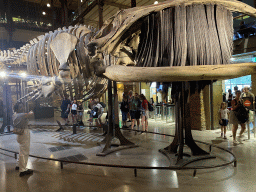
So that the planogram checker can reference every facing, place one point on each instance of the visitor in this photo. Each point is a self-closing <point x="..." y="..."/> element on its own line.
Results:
<point x="20" y="122"/>
<point x="224" y="116"/>
<point x="144" y="113"/>
<point x="91" y="106"/>
<point x="229" y="97"/>
<point x="80" y="114"/>
<point x="247" y="95"/>
<point x="65" y="109"/>
<point x="236" y="103"/>
<point x="135" y="107"/>
<point x="129" y="98"/>
<point x="124" y="109"/>
<point x="74" y="112"/>
<point x="97" y="113"/>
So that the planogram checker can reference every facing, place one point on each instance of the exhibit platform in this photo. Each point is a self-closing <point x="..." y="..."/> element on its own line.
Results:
<point x="83" y="147"/>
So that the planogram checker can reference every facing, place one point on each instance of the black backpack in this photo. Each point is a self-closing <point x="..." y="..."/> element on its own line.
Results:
<point x="150" y="107"/>
<point x="242" y="114"/>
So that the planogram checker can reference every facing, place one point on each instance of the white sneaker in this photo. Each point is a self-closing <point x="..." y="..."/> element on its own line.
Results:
<point x="239" y="139"/>
<point x="235" y="142"/>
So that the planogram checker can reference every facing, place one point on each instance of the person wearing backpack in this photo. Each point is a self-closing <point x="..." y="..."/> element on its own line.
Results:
<point x="97" y="113"/>
<point x="237" y="116"/>
<point x="135" y="107"/>
<point x="124" y="109"/>
<point x="144" y="113"/>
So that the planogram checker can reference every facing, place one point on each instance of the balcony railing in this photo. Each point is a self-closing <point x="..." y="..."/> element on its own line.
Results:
<point x="244" y="31"/>
<point x="27" y="24"/>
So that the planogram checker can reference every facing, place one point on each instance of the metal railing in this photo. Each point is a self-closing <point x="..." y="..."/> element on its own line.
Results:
<point x="245" y="30"/>
<point x="229" y="161"/>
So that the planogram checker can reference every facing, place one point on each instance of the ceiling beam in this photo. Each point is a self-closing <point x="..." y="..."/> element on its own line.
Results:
<point x="119" y="5"/>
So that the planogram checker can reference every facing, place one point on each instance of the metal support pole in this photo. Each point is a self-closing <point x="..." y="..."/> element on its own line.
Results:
<point x="181" y="118"/>
<point x="194" y="173"/>
<point x="248" y="126"/>
<point x="135" y="172"/>
<point x="110" y="108"/>
<point x="211" y="105"/>
<point x="61" y="165"/>
<point x="15" y="155"/>
<point x="74" y="128"/>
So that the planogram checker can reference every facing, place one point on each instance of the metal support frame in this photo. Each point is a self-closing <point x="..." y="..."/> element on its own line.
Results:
<point x="7" y="107"/>
<point x="113" y="124"/>
<point x="176" y="147"/>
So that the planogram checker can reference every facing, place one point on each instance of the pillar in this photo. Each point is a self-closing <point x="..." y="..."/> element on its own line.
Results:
<point x="206" y="105"/>
<point x="100" y="8"/>
<point x="64" y="6"/>
<point x="253" y="80"/>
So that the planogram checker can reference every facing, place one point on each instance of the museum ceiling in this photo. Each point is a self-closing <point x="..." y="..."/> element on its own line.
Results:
<point x="91" y="18"/>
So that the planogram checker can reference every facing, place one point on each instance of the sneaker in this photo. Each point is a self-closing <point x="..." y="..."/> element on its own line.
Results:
<point x="235" y="142"/>
<point x="239" y="139"/>
<point x="17" y="168"/>
<point x="224" y="137"/>
<point x="28" y="172"/>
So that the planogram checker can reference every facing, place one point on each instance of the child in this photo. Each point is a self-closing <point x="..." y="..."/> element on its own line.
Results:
<point x="224" y="116"/>
<point x="74" y="112"/>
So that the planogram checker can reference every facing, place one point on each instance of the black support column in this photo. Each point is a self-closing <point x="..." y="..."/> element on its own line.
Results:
<point x="100" y="8"/>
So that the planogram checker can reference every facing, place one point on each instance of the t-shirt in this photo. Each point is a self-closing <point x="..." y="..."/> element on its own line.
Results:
<point x="249" y="94"/>
<point x="100" y="108"/>
<point x="64" y="105"/>
<point x="145" y="104"/>
<point x="135" y="104"/>
<point x="224" y="113"/>
<point x="74" y="107"/>
<point x="20" y="121"/>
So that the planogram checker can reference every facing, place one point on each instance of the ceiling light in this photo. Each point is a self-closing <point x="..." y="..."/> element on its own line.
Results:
<point x="156" y="2"/>
<point x="44" y="13"/>
<point x="2" y="74"/>
<point x="23" y="74"/>
<point x="48" y="5"/>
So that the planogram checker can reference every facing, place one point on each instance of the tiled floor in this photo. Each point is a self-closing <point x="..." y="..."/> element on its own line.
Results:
<point x="84" y="146"/>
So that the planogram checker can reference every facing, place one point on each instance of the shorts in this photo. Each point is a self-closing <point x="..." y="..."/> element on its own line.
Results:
<point x="74" y="112"/>
<point x="224" y="122"/>
<point x="135" y="114"/>
<point x="124" y="115"/>
<point x="145" y="113"/>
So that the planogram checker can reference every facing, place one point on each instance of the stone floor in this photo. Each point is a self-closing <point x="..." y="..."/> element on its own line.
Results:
<point x="83" y="147"/>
